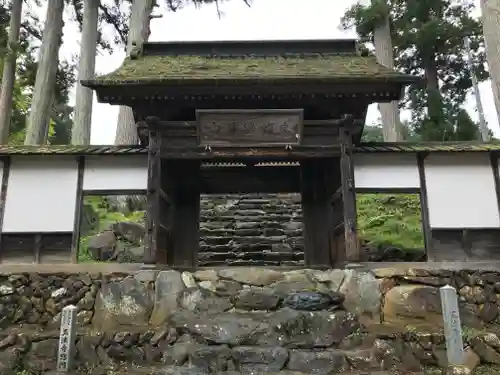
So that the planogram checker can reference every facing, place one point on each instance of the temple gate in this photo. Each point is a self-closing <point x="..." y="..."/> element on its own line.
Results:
<point x="257" y="116"/>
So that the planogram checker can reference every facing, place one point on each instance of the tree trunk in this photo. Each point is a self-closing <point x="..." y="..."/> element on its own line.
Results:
<point x="391" y="125"/>
<point x="80" y="134"/>
<point x="126" y="130"/>
<point x="434" y="102"/>
<point x="385" y="56"/>
<point x="45" y="74"/>
<point x="9" y="71"/>
<point x="491" y="20"/>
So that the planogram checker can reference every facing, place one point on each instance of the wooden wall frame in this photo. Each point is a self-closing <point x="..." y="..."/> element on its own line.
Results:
<point x="75" y="241"/>
<point x="3" y="194"/>
<point x="496" y="176"/>
<point x="424" y="206"/>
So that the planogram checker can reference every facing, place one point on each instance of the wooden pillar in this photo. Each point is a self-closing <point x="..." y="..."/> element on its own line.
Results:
<point x="337" y="225"/>
<point x="164" y="225"/>
<point x="352" y="248"/>
<point x="316" y="211"/>
<point x="424" y="208"/>
<point x="184" y="190"/>
<point x="75" y="240"/>
<point x="3" y="198"/>
<point x="153" y="198"/>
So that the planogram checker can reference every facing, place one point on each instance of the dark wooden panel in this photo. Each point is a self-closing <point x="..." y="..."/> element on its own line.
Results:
<point x="465" y="244"/>
<point x="229" y="180"/>
<point x="316" y="190"/>
<point x="36" y="247"/>
<point x="182" y="182"/>
<point x="55" y="248"/>
<point x="178" y="134"/>
<point x="249" y="127"/>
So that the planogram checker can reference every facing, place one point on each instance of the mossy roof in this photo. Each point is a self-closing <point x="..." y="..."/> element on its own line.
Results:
<point x="188" y="69"/>
<point x="362" y="148"/>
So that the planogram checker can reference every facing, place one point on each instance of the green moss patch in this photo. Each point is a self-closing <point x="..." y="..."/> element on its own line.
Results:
<point x="390" y="220"/>
<point x="151" y="69"/>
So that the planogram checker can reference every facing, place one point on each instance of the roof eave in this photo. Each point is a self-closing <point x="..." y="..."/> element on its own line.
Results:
<point x="110" y="84"/>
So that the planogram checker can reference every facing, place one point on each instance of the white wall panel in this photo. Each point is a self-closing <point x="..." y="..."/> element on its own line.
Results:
<point x="116" y="172"/>
<point x="461" y="191"/>
<point x="41" y="194"/>
<point x="383" y="171"/>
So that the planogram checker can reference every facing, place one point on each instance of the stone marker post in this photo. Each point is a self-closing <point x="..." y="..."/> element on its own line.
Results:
<point x="66" y="352"/>
<point x="452" y="326"/>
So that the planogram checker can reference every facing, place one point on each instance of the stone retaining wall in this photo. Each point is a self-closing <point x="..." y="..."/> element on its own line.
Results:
<point x="248" y="320"/>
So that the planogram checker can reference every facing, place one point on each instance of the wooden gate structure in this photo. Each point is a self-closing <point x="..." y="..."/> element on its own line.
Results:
<point x="252" y="116"/>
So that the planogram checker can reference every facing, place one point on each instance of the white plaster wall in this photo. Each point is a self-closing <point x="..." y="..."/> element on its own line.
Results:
<point x="116" y="172"/>
<point x="41" y="194"/>
<point x="384" y="171"/>
<point x="461" y="191"/>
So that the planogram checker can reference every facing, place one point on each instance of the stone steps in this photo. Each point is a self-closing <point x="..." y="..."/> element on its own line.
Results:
<point x="223" y="217"/>
<point x="253" y="232"/>
<point x="251" y="229"/>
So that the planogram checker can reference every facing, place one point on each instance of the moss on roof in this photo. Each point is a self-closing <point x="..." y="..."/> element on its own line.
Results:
<point x="71" y="150"/>
<point x="172" y="69"/>
<point x="378" y="147"/>
<point x="427" y="147"/>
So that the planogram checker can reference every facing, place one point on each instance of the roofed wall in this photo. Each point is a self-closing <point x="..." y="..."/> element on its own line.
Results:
<point x="41" y="191"/>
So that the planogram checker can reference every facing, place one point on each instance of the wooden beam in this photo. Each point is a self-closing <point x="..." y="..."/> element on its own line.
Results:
<point x="152" y="207"/>
<point x="424" y="206"/>
<point x="245" y="153"/>
<point x="3" y="195"/>
<point x="352" y="247"/>
<point x="75" y="240"/>
<point x="234" y="180"/>
<point x="164" y="196"/>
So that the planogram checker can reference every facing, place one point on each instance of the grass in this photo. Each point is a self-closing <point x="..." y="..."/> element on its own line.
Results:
<point x="390" y="220"/>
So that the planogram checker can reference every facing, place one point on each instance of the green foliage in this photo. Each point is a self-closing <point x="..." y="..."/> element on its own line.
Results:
<point x="390" y="220"/>
<point x="428" y="40"/>
<point x="374" y="133"/>
<point x="97" y="216"/>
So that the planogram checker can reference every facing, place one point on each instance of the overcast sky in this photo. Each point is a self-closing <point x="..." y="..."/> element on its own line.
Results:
<point x="266" y="19"/>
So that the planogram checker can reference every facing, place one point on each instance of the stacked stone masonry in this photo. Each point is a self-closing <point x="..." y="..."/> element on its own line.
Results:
<point x="251" y="229"/>
<point x="247" y="320"/>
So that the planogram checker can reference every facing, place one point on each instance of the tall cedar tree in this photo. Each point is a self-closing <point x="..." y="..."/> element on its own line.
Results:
<point x="428" y="39"/>
<point x="26" y="66"/>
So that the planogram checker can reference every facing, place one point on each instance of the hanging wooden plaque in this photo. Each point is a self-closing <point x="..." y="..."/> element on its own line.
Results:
<point x="249" y="128"/>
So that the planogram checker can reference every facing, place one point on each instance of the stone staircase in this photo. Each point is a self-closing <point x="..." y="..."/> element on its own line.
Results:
<point x="251" y="229"/>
